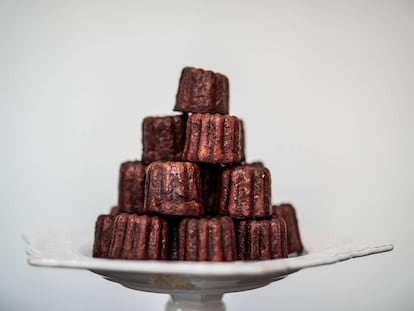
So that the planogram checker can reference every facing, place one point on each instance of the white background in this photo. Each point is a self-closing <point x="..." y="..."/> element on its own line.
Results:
<point x="325" y="90"/>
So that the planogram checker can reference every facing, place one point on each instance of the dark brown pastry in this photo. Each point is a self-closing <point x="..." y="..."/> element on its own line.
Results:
<point x="210" y="176"/>
<point x="103" y="234"/>
<point x="214" y="138"/>
<point x="202" y="91"/>
<point x="139" y="237"/>
<point x="261" y="239"/>
<point x="131" y="187"/>
<point x="245" y="191"/>
<point x="287" y="211"/>
<point x="173" y="189"/>
<point x="163" y="138"/>
<point x="173" y="238"/>
<point x="115" y="210"/>
<point x="207" y="239"/>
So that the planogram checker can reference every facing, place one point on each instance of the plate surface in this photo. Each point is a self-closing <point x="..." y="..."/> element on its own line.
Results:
<point x="73" y="250"/>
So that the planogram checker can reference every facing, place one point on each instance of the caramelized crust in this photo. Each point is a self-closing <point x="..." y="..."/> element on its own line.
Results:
<point x="261" y="239"/>
<point x="207" y="239"/>
<point x="202" y="91"/>
<point x="103" y="234"/>
<point x="173" y="189"/>
<point x="210" y="176"/>
<point x="245" y="192"/>
<point x="173" y="238"/>
<point x="114" y="210"/>
<point x="214" y="138"/>
<point x="287" y="211"/>
<point x="163" y="138"/>
<point x="139" y="237"/>
<point x="131" y="187"/>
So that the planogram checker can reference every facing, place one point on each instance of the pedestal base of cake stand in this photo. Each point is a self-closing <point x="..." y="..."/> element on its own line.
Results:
<point x="195" y="303"/>
<point x="189" y="292"/>
<point x="202" y="291"/>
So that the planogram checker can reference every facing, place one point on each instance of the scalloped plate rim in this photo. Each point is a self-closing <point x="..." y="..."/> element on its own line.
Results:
<point x="68" y="250"/>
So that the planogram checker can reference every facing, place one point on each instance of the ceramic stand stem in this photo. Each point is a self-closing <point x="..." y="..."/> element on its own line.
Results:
<point x="194" y="302"/>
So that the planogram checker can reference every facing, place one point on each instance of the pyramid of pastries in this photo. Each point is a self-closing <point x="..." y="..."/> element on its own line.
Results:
<point x="192" y="195"/>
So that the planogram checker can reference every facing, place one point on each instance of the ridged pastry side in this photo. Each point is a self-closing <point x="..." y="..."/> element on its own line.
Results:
<point x="131" y="187"/>
<point x="207" y="239"/>
<point x="287" y="211"/>
<point x="173" y="189"/>
<point x="163" y="138"/>
<point x="139" y="237"/>
<point x="245" y="192"/>
<point x="261" y="239"/>
<point x="214" y="138"/>
<point x="210" y="176"/>
<point x="103" y="235"/>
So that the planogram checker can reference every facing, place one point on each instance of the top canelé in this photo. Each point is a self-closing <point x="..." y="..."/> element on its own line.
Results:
<point x="202" y="91"/>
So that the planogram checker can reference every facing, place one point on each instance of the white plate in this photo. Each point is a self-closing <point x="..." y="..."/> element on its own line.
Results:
<point x="73" y="250"/>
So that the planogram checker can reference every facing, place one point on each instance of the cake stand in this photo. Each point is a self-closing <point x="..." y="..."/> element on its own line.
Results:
<point x="197" y="286"/>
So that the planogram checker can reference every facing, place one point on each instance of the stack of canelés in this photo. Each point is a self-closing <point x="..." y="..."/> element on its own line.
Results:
<point x="193" y="196"/>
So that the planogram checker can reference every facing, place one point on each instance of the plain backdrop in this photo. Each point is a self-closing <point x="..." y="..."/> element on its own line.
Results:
<point x="325" y="89"/>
